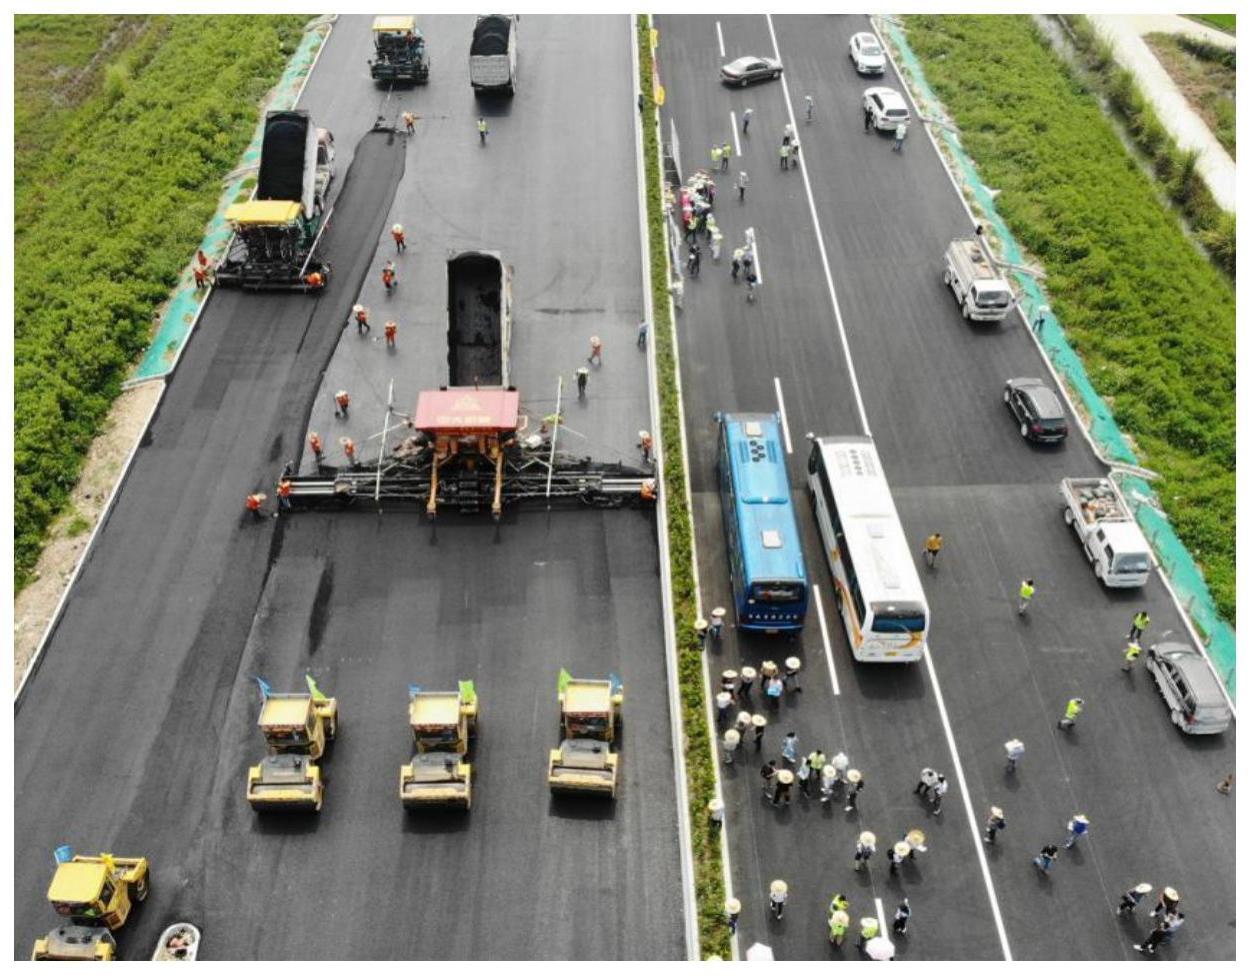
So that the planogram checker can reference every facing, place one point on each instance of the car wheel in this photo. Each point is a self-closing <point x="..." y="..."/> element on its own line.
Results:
<point x="1024" y="430"/>
<point x="964" y="309"/>
<point x="946" y="277"/>
<point x="1068" y="518"/>
<point x="742" y="83"/>
<point x="1006" y="395"/>
<point x="776" y="75"/>
<point x="1099" y="571"/>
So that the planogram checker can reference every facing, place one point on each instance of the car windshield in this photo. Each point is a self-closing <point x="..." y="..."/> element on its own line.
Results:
<point x="1133" y="562"/>
<point x="993" y="298"/>
<point x="871" y="50"/>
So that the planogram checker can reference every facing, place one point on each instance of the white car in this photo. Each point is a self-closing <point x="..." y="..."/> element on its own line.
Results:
<point x="866" y="53"/>
<point x="887" y="107"/>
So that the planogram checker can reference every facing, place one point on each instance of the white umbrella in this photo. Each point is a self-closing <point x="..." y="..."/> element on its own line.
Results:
<point x="879" y="948"/>
<point x="759" y="952"/>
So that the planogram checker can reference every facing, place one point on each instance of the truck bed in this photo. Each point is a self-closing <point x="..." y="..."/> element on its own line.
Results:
<point x="1094" y="500"/>
<point x="475" y="299"/>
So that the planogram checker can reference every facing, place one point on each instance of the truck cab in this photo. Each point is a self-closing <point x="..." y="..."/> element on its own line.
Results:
<point x="983" y="294"/>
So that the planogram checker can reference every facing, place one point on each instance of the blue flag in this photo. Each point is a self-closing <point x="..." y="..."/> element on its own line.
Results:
<point x="615" y="683"/>
<point x="265" y="689"/>
<point x="414" y="690"/>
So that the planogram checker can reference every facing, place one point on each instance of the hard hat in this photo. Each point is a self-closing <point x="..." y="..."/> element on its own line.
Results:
<point x="996" y="812"/>
<point x="748" y="673"/>
<point x="778" y="887"/>
<point x="1143" y="888"/>
<point x="398" y="228"/>
<point x="785" y="776"/>
<point x="853" y="776"/>
<point x="732" y="737"/>
<point x="868" y="838"/>
<point x="642" y="434"/>
<point x="901" y="848"/>
<point x="728" y="675"/>
<point x="724" y="698"/>
<point x="595" y="340"/>
<point x="733" y="905"/>
<point x="1171" y="894"/>
<point x="793" y="663"/>
<point x="758" y="720"/>
<point x="583" y="371"/>
<point x="714" y="804"/>
<point x="1080" y="818"/>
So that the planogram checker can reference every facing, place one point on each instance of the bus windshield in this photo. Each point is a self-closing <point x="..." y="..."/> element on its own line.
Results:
<point x="777" y="592"/>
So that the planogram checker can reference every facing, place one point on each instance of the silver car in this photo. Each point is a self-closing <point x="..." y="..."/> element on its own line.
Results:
<point x="743" y="71"/>
<point x="1189" y="688"/>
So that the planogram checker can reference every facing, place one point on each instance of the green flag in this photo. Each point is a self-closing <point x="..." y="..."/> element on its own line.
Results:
<point x="563" y="680"/>
<point x="313" y="689"/>
<point x="468" y="691"/>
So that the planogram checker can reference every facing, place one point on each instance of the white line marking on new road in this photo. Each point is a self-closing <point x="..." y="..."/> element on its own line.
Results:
<point x="720" y="39"/>
<point x="937" y="688"/>
<point x="733" y="127"/>
<point x="824" y="635"/>
<point x="785" y="424"/>
<point x="753" y="247"/>
<point x="880" y="913"/>
<point x="824" y="256"/>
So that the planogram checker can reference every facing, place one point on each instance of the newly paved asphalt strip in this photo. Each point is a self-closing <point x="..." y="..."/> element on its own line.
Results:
<point x="136" y="733"/>
<point x="932" y="388"/>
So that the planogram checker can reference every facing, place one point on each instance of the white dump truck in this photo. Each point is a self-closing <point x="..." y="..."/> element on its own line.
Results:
<point x="1113" y="543"/>
<point x="492" y="55"/>
<point x="983" y="294"/>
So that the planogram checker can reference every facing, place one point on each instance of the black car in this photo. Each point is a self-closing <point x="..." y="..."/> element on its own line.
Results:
<point x="745" y="70"/>
<point x="1037" y="409"/>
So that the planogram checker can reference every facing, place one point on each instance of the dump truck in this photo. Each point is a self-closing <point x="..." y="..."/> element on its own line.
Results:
<point x="297" y="729"/>
<point x="479" y="319"/>
<point x="399" y="51"/>
<point x="443" y="723"/>
<point x="96" y="894"/>
<point x="276" y="232"/>
<point x="1107" y="531"/>
<point x="982" y="292"/>
<point x="492" y="55"/>
<point x="590" y="721"/>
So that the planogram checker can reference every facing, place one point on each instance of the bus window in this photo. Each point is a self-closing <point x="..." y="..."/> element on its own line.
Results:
<point x="898" y="619"/>
<point x="777" y="592"/>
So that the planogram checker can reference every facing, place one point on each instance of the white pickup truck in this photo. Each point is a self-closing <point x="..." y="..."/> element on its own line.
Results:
<point x="1113" y="543"/>
<point x="983" y="294"/>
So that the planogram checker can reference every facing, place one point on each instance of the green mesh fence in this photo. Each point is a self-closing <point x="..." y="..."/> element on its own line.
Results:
<point x="1184" y="574"/>
<point x="184" y="303"/>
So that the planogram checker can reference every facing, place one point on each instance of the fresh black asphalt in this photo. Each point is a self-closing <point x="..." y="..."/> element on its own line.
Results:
<point x="932" y="386"/>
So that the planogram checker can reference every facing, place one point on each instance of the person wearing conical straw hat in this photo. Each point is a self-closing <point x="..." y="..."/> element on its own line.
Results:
<point x="733" y="910"/>
<point x="828" y="779"/>
<point x="994" y="823"/>
<point x="791" y="676"/>
<point x="778" y="894"/>
<point x="899" y="852"/>
<point x="854" y="784"/>
<point x="746" y="681"/>
<point x="1168" y="899"/>
<point x="785" y="780"/>
<point x="865" y="847"/>
<point x="729" y="745"/>
<point x="758" y="724"/>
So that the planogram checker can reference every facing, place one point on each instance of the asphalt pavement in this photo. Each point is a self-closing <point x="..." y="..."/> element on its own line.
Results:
<point x="931" y="390"/>
<point x="139" y="725"/>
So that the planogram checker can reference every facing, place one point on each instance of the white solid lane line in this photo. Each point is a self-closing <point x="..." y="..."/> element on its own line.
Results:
<point x="933" y="678"/>
<point x="781" y="406"/>
<point x="824" y="636"/>
<point x="720" y="39"/>
<point x="733" y="127"/>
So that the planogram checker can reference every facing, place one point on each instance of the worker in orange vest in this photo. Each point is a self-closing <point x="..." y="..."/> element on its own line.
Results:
<point x="201" y="258"/>
<point x="644" y="445"/>
<point x="349" y="448"/>
<point x="390" y="330"/>
<point x="388" y="276"/>
<point x="397" y="232"/>
<point x="315" y="280"/>
<point x="647" y="490"/>
<point x="254" y="501"/>
<point x="341" y="402"/>
<point x="361" y="314"/>
<point x="201" y="277"/>
<point x="284" y="495"/>
<point x="314" y="441"/>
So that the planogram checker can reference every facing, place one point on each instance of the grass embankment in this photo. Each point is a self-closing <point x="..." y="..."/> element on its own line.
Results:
<point x="1175" y="169"/>
<point x="1152" y="320"/>
<point x="116" y="177"/>
<point x="1207" y="76"/>
<point x="700" y="774"/>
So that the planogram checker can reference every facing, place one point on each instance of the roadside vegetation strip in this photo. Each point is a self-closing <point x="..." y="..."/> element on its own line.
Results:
<point x="1152" y="321"/>
<point x="124" y="194"/>
<point x="1175" y="169"/>
<point x="698" y="746"/>
<point x="1206" y="74"/>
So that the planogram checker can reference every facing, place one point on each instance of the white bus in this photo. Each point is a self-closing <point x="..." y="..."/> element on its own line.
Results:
<point x="879" y="594"/>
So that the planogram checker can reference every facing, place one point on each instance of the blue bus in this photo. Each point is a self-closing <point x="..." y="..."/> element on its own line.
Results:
<point x="765" y="557"/>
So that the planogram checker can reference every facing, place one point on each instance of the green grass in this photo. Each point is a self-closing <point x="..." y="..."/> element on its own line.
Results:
<point x="111" y="198"/>
<point x="1224" y="22"/>
<point x="700" y="772"/>
<point x="1207" y="76"/>
<point x="1153" y="321"/>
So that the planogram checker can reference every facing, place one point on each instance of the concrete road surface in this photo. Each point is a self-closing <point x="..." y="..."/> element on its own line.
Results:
<point x="930" y="392"/>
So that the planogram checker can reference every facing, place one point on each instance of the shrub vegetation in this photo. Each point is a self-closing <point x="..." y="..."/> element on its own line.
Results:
<point x="108" y="211"/>
<point x="1153" y="320"/>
